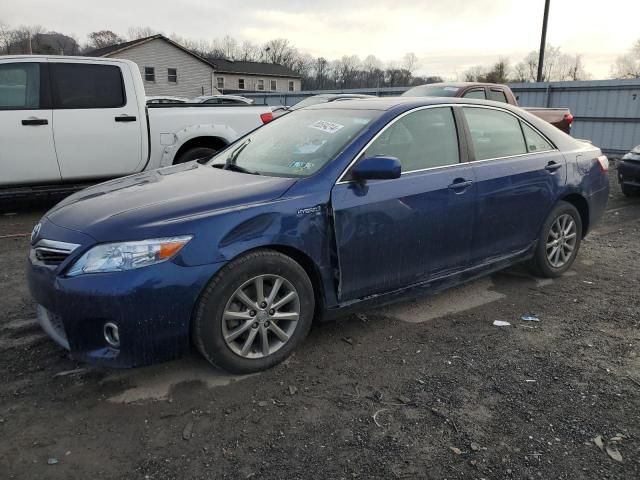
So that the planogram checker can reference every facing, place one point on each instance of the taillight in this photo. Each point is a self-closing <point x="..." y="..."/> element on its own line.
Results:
<point x="568" y="117"/>
<point x="266" y="117"/>
<point x="603" y="161"/>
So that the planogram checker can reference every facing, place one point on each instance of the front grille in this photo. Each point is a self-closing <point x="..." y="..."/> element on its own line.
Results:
<point x="52" y="252"/>
<point x="50" y="256"/>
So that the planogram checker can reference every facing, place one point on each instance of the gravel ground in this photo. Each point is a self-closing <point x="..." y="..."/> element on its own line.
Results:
<point x="424" y="389"/>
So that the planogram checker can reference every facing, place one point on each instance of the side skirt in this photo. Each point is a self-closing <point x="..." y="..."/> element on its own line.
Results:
<point x="429" y="287"/>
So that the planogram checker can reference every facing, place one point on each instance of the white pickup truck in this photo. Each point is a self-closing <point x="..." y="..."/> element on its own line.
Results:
<point x="69" y="121"/>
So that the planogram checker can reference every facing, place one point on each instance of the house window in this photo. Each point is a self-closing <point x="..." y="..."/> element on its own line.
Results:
<point x="241" y="84"/>
<point x="260" y="84"/>
<point x="149" y="74"/>
<point x="291" y="86"/>
<point x="220" y="83"/>
<point x="172" y="75"/>
<point x="274" y="85"/>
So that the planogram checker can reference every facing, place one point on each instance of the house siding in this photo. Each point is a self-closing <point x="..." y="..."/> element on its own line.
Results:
<point x="251" y="82"/>
<point x="194" y="76"/>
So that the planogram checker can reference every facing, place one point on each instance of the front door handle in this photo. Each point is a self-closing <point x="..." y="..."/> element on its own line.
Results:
<point x="35" y="121"/>
<point x="460" y="184"/>
<point x="125" y="118"/>
<point x="552" y="166"/>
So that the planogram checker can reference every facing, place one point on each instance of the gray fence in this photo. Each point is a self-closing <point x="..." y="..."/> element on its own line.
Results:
<point x="607" y="112"/>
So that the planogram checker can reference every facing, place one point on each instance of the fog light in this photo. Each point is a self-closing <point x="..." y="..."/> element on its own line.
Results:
<point x="111" y="334"/>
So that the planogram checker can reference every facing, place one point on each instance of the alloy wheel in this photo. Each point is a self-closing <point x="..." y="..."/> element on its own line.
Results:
<point x="561" y="241"/>
<point x="261" y="316"/>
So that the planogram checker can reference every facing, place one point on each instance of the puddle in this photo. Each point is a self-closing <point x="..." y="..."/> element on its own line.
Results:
<point x="156" y="382"/>
<point x="450" y="301"/>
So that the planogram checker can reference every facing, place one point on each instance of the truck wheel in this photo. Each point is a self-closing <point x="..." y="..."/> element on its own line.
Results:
<point x="559" y="241"/>
<point x="254" y="312"/>
<point x="201" y="154"/>
<point x="629" y="190"/>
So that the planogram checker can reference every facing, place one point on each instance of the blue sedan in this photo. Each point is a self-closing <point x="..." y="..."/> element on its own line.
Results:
<point x="331" y="208"/>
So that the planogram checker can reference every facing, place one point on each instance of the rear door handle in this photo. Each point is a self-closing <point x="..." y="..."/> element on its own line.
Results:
<point x="35" y="121"/>
<point x="125" y="118"/>
<point x="460" y="183"/>
<point x="552" y="166"/>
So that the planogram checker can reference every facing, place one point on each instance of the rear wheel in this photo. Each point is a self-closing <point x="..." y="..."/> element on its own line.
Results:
<point x="254" y="312"/>
<point x="559" y="241"/>
<point x="201" y="154"/>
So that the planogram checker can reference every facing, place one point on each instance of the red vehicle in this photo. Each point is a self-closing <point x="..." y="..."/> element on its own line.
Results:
<point x="558" y="117"/>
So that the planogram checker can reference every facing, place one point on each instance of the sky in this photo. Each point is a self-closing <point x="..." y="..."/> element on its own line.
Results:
<point x="448" y="36"/>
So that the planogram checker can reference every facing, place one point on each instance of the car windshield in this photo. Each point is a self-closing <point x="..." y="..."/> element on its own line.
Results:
<point x="431" y="91"/>
<point x="296" y="145"/>
<point x="307" y="102"/>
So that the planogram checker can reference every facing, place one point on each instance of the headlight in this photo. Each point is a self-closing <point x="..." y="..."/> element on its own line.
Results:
<point x="113" y="257"/>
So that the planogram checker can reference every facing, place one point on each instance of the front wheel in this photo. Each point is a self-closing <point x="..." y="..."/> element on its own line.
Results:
<point x="254" y="312"/>
<point x="201" y="154"/>
<point x="559" y="241"/>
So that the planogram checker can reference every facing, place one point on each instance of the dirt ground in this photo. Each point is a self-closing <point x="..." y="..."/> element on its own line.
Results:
<point x="424" y="389"/>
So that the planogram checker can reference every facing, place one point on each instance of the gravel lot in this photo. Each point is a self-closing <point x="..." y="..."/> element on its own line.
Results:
<point x="424" y="389"/>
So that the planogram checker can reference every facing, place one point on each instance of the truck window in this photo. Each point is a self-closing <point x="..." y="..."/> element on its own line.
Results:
<point x="494" y="133"/>
<point x="76" y="85"/>
<point x="477" y="93"/>
<point x="497" y="96"/>
<point x="19" y="86"/>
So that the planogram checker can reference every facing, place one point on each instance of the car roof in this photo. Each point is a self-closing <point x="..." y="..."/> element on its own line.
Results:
<point x="387" y="103"/>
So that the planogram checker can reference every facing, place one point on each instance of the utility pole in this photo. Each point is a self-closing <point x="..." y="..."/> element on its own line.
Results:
<point x="543" y="39"/>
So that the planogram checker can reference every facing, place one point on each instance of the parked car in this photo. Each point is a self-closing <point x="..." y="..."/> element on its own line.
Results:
<point x="629" y="172"/>
<point x="223" y="100"/>
<point x="333" y="207"/>
<point x="558" y="117"/>
<point x="162" y="99"/>
<point x="67" y="121"/>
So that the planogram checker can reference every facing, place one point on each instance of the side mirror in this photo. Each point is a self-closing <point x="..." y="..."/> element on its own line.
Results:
<point x="377" y="168"/>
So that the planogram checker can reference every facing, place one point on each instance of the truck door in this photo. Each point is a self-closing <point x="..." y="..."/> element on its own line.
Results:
<point x="97" y="129"/>
<point x="27" y="153"/>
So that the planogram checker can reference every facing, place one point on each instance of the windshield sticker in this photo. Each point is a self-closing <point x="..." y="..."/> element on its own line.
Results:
<point x="451" y="89"/>
<point x="327" y="127"/>
<point x="298" y="165"/>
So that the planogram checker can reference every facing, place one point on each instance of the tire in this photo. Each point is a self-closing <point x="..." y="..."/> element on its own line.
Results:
<point x="543" y="262"/>
<point x="202" y="154"/>
<point x="629" y="190"/>
<point x="221" y="314"/>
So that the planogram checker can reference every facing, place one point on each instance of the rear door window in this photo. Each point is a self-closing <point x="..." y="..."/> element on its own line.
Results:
<point x="19" y="86"/>
<point x="477" y="93"/>
<point x="497" y="95"/>
<point x="494" y="133"/>
<point x="424" y="139"/>
<point x="81" y="86"/>
<point x="535" y="141"/>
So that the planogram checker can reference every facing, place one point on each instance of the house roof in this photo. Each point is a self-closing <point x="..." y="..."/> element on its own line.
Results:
<point x="220" y="65"/>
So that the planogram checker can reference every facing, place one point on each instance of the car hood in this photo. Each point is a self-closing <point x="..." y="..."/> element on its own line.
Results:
<point x="121" y="207"/>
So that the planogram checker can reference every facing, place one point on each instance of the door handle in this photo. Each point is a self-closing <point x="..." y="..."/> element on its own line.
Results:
<point x="460" y="183"/>
<point x="125" y="118"/>
<point x="552" y="166"/>
<point x="35" y="121"/>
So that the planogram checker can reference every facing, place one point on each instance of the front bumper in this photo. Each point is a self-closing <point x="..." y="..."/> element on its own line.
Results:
<point x="629" y="172"/>
<point x="152" y="307"/>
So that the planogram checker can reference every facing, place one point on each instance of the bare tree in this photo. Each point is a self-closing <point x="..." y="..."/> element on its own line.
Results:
<point x="228" y="46"/>
<point x="103" y="38"/>
<point x="410" y="62"/>
<point x="628" y="65"/>
<point x="135" y="33"/>
<point x="7" y="38"/>
<point x="249" y="51"/>
<point x="24" y="37"/>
